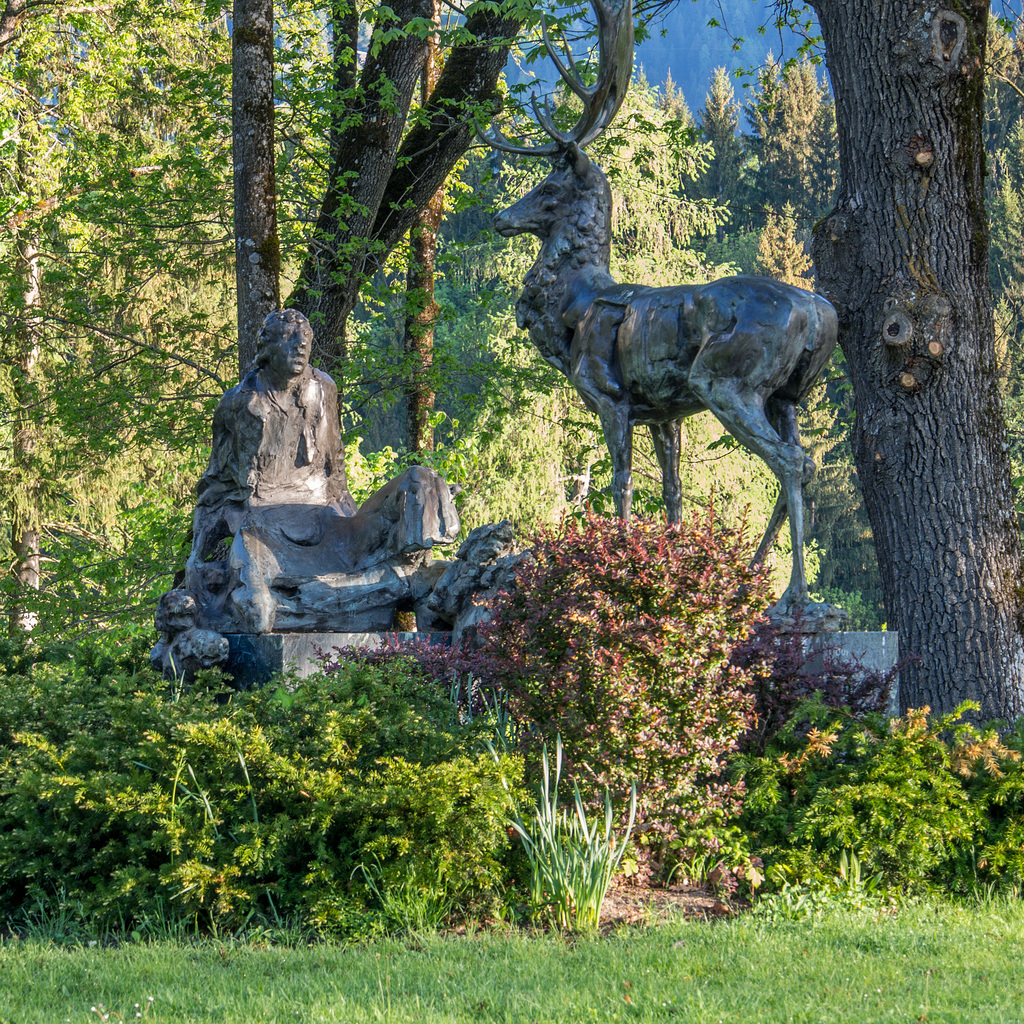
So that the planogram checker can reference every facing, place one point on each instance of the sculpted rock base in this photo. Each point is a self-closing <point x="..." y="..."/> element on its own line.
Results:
<point x="183" y="649"/>
<point x="485" y="566"/>
<point x="813" y="617"/>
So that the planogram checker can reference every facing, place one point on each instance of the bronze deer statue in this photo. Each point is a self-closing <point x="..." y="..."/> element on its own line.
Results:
<point x="746" y="348"/>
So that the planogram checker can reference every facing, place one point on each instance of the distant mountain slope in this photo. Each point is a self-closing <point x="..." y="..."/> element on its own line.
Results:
<point x="684" y="43"/>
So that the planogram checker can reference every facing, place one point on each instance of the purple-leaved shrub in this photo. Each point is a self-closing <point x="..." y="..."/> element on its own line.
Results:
<point x="618" y="638"/>
<point x="788" y="667"/>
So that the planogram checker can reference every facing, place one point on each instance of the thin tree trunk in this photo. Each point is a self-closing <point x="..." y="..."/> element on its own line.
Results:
<point x="257" y="252"/>
<point x="24" y="506"/>
<point x="344" y="25"/>
<point x="904" y="258"/>
<point x="364" y="152"/>
<point x="419" y="327"/>
<point x="421" y="309"/>
<point x="25" y="533"/>
<point x="12" y="17"/>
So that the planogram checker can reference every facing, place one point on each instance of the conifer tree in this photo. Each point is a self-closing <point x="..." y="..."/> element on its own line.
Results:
<point x="673" y="103"/>
<point x="792" y="140"/>
<point x="780" y="254"/>
<point x="718" y="122"/>
<point x="823" y="166"/>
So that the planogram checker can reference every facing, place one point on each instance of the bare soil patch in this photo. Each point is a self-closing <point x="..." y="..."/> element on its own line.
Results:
<point x="638" y="904"/>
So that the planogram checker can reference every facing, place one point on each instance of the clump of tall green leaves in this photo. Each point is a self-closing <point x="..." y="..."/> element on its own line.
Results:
<point x="572" y="858"/>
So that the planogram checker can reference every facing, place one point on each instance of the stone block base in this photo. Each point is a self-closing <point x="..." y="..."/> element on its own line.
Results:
<point x="253" y="659"/>
<point x="873" y="651"/>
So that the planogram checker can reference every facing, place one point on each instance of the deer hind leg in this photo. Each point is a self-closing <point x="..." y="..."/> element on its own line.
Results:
<point x="667" y="441"/>
<point x="741" y="411"/>
<point x="618" y="436"/>
<point x="782" y="416"/>
<point x="771" y="534"/>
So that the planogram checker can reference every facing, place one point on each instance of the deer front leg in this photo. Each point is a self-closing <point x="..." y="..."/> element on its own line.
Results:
<point x="667" y="440"/>
<point x="618" y="436"/>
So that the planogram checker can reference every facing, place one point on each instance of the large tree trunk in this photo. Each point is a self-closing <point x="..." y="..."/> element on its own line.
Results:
<point x="904" y="258"/>
<point x="421" y="308"/>
<point x="380" y="180"/>
<point x="257" y="253"/>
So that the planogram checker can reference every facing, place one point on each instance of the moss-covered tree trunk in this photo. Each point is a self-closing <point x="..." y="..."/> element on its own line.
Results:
<point x="257" y="256"/>
<point x="904" y="258"/>
<point x="12" y="16"/>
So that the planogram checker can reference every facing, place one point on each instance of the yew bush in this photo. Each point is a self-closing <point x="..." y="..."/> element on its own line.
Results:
<point x="120" y="805"/>
<point x="618" y="638"/>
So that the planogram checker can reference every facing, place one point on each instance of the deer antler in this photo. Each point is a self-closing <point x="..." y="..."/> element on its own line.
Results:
<point x="601" y="100"/>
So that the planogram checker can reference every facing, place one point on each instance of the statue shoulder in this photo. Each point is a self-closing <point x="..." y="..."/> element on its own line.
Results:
<point x="325" y="380"/>
<point x="234" y="398"/>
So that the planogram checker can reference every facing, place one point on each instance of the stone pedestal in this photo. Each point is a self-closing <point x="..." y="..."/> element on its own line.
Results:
<point x="872" y="651"/>
<point x="253" y="659"/>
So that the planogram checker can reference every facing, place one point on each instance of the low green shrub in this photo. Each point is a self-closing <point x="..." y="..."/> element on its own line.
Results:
<point x="618" y="637"/>
<point x="119" y="803"/>
<point x="848" y="890"/>
<point x="920" y="801"/>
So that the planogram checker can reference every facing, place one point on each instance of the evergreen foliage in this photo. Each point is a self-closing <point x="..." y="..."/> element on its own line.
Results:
<point x="120" y="800"/>
<point x="923" y="801"/>
<point x="780" y="255"/>
<point x="718" y="123"/>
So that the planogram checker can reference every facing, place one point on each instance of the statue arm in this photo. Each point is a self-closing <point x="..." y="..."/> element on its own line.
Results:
<point x="225" y="477"/>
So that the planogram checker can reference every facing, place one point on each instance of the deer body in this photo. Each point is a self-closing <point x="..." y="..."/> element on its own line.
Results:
<point x="746" y="348"/>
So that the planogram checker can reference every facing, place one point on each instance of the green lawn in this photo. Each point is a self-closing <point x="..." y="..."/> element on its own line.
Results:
<point x="932" y="963"/>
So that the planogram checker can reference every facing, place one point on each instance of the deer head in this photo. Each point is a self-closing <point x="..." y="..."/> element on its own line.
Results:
<point x="570" y="210"/>
<point x="575" y="193"/>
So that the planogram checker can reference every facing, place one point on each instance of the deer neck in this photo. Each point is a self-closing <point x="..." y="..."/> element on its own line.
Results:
<point x="571" y="267"/>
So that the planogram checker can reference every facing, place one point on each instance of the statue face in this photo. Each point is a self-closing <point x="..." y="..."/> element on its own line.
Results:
<point x="287" y="352"/>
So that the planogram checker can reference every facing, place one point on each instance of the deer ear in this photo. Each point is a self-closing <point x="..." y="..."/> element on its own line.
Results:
<point x="579" y="159"/>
